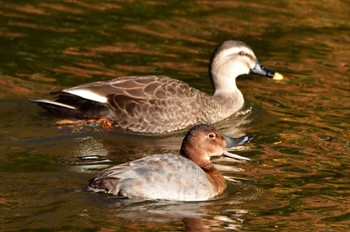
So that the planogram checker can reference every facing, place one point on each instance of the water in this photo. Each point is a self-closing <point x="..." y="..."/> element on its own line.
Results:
<point x="299" y="177"/>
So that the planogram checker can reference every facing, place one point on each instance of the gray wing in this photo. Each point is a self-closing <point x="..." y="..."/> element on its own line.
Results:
<point x="167" y="176"/>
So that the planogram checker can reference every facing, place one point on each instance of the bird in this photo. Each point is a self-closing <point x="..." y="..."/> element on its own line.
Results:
<point x="159" y="104"/>
<point x="189" y="176"/>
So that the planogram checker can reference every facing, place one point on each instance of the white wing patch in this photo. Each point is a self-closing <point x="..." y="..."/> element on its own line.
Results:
<point x="87" y="94"/>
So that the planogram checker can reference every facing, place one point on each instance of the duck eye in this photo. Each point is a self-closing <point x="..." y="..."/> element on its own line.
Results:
<point x="211" y="136"/>
<point x="242" y="53"/>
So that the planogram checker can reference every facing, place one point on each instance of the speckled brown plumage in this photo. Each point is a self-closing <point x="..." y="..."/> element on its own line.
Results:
<point x="158" y="104"/>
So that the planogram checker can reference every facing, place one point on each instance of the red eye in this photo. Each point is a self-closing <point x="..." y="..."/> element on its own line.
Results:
<point x="211" y="136"/>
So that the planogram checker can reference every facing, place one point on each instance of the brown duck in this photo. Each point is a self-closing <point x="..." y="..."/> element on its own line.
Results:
<point x="189" y="176"/>
<point x="157" y="104"/>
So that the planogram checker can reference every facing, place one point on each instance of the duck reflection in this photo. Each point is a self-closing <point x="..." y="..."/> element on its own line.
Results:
<point x="91" y="151"/>
<point x="220" y="214"/>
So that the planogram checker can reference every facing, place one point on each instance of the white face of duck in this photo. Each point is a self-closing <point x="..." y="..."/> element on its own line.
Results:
<point x="228" y="64"/>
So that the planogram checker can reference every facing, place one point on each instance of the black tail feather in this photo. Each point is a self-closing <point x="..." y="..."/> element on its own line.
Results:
<point x="56" y="108"/>
<point x="75" y="107"/>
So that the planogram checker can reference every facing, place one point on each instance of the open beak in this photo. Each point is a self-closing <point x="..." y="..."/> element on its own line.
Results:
<point x="261" y="70"/>
<point x="233" y="142"/>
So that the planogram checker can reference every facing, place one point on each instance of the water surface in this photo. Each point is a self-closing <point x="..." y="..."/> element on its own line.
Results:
<point x="299" y="177"/>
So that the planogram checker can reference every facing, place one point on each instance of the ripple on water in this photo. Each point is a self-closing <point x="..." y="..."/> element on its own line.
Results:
<point x="299" y="175"/>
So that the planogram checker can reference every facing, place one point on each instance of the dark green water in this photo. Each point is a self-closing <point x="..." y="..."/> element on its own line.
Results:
<point x="299" y="177"/>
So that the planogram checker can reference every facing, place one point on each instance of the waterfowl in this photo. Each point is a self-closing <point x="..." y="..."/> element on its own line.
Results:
<point x="159" y="104"/>
<point x="190" y="176"/>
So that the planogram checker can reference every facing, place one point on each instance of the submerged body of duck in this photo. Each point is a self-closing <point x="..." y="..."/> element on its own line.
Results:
<point x="155" y="104"/>
<point x="189" y="176"/>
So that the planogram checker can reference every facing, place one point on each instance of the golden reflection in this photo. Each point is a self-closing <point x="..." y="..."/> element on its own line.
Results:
<point x="13" y="15"/>
<point x="138" y="68"/>
<point x="165" y="30"/>
<point x="186" y="216"/>
<point x="14" y="87"/>
<point x="10" y="34"/>
<point x="76" y="52"/>
<point x="26" y="9"/>
<point x="60" y="7"/>
<point x="84" y="72"/>
<point x="300" y="159"/>
<point x="183" y="66"/>
<point x="130" y="47"/>
<point x="101" y="6"/>
<point x="38" y="77"/>
<point x="39" y="26"/>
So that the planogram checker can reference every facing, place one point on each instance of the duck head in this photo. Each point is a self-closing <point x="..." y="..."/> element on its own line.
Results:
<point x="204" y="141"/>
<point x="232" y="59"/>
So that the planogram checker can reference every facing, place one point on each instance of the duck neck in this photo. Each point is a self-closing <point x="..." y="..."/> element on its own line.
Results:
<point x="191" y="153"/>
<point x="225" y="89"/>
<point x="229" y="96"/>
<point x="215" y="178"/>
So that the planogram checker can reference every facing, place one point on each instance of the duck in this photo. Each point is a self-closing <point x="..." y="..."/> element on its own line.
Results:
<point x="188" y="176"/>
<point x="160" y="104"/>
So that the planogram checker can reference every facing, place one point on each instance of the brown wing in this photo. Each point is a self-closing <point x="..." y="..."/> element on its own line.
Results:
<point x="154" y="104"/>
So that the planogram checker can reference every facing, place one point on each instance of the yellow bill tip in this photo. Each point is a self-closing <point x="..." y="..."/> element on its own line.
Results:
<point x="277" y="76"/>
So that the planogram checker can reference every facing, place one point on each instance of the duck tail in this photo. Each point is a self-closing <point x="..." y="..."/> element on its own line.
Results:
<point x="55" y="107"/>
<point x="107" y="185"/>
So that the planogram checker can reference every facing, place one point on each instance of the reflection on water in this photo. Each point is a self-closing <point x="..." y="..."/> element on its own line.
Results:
<point x="299" y="176"/>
